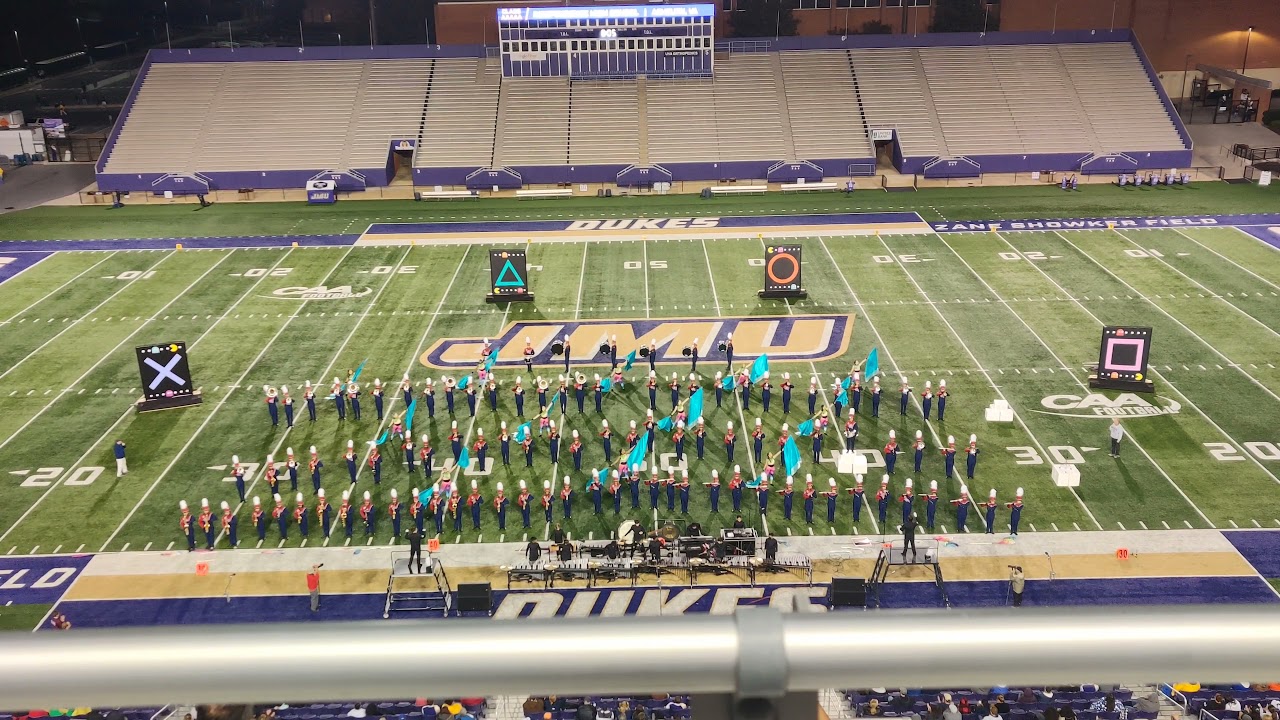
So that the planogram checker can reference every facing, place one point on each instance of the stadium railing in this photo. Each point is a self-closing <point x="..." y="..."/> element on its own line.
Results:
<point x="757" y="663"/>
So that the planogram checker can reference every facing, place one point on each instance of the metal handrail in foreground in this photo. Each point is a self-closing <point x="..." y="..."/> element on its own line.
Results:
<point x="754" y="653"/>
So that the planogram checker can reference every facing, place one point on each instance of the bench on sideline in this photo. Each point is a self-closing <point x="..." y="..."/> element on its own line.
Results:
<point x="738" y="189"/>
<point x="809" y="187"/>
<point x="448" y="195"/>
<point x="544" y="194"/>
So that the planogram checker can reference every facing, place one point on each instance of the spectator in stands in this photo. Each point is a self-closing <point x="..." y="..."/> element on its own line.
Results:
<point x="992" y="714"/>
<point x="1107" y="704"/>
<point x="1232" y="705"/>
<point x="951" y="712"/>
<point x="533" y="706"/>
<point x="1051" y="713"/>
<point x="1001" y="705"/>
<point x="357" y="712"/>
<point x="1148" y="704"/>
<point x="1216" y="704"/>
<point x="873" y="708"/>
<point x="900" y="703"/>
<point x="1027" y="697"/>
<point x="1067" y="713"/>
<point x="586" y="711"/>
<point x="965" y="708"/>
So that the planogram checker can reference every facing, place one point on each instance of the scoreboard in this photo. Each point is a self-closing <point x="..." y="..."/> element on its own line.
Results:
<point x="619" y="41"/>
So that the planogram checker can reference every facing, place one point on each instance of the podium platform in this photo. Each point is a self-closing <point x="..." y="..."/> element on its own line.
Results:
<point x="425" y="591"/>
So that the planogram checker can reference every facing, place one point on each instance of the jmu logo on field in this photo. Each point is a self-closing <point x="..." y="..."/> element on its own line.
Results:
<point x="808" y="338"/>
<point x="1094" y="405"/>
<point x="321" y="292"/>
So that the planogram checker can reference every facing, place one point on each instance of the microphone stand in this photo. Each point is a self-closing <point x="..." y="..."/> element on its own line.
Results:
<point x="1052" y="574"/>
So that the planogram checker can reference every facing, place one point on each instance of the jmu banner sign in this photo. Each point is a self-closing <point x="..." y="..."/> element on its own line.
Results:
<point x="808" y="338"/>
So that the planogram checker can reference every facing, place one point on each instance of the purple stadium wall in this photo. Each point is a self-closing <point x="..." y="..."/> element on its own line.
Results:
<point x="607" y="173"/>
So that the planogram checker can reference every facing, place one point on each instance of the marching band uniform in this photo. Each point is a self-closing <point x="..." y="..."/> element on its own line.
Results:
<point x="406" y="390"/>
<point x="353" y="464"/>
<point x="427" y="454"/>
<point x="206" y="523"/>
<point x="851" y="432"/>
<point x="907" y="498"/>
<point x="527" y="446"/>
<point x="875" y="397"/>
<point x="728" y="352"/>
<point x="613" y="350"/>
<point x="548" y="502"/>
<point x="891" y="451"/>
<point x="1015" y="512"/>
<point x="700" y="436"/>
<point x="346" y="517"/>
<point x="375" y="464"/>
<point x="735" y="488"/>
<point x="757" y="439"/>
<point x="819" y="429"/>
<point x="518" y="392"/>
<point x="500" y="506"/>
<point x="931" y="504"/>
<point x="428" y="394"/>
<point x="677" y="439"/>
<point x="715" y="491"/>
<point x="339" y="400"/>
<point x="416" y="512"/>
<point x="991" y="505"/>
<point x="542" y="395"/>
<point x="598" y="390"/>
<point x="528" y="354"/>
<point x="553" y="443"/>
<point x="730" y="441"/>
<point x="281" y="516"/>
<point x="270" y="475"/>
<point x="407" y="447"/>
<point x="606" y="438"/>
<point x="300" y="515"/>
<point x="949" y="455"/>
<point x="653" y="356"/>
<point x="719" y="384"/>
<point x="309" y="395"/>
<point x="906" y="396"/>
<point x="882" y="500"/>
<point x="523" y="500"/>
<point x="237" y="472"/>
<point x="857" y="492"/>
<point x="393" y="513"/>
<point x="832" y="494"/>
<point x="435" y="508"/>
<point x="597" y="490"/>
<point x="857" y="392"/>
<point x="449" y="386"/>
<point x="693" y="356"/>
<point x="762" y="494"/>
<point x="314" y="465"/>
<point x="563" y="393"/>
<point x="324" y="513"/>
<point x="353" y="399"/>
<point x="675" y="391"/>
<point x="455" y="510"/>
<point x="368" y="513"/>
<point x="926" y="398"/>
<point x="744" y="387"/>
<point x="918" y="446"/>
<point x="580" y="390"/>
<point x="377" y="397"/>
<point x="632" y="436"/>
<point x="272" y="409"/>
<point x="287" y="402"/>
<point x="455" y="442"/>
<point x="652" y="384"/>
<point x="650" y="427"/>
<point x="470" y="392"/>
<point x="633" y="480"/>
<point x="684" y="492"/>
<point x="962" y="508"/>
<point x="786" y="392"/>
<point x="654" y="484"/>
<point x="575" y="449"/>
<point x="813" y="396"/>
<point x="491" y="389"/>
<point x="942" y="399"/>
<point x="480" y="447"/>
<point x="259" y="519"/>
<point x="766" y="391"/>
<point x="567" y="351"/>
<point x="809" y="493"/>
<point x="615" y="489"/>
<point x="971" y="453"/>
<point x="669" y="482"/>
<point x="566" y="499"/>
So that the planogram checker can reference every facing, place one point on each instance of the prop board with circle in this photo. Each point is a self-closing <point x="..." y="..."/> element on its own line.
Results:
<point x="782" y="272"/>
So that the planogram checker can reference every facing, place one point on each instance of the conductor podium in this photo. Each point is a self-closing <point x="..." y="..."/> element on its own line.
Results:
<point x="423" y="590"/>
<point x="904" y="564"/>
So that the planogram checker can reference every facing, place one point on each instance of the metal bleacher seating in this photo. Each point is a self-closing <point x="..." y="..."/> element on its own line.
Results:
<point x="535" y="122"/>
<point x="748" y="124"/>
<point x="165" y="120"/>
<point x="974" y="114"/>
<point x="892" y="91"/>
<point x="822" y="105"/>
<point x="1118" y="98"/>
<point x="1079" y="702"/>
<point x="681" y="115"/>
<point x="1036" y="89"/>
<point x="462" y="112"/>
<point x="389" y="107"/>
<point x="604" y="123"/>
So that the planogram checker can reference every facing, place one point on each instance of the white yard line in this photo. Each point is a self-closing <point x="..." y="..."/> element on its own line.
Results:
<point x="1166" y="380"/>
<point x="130" y="412"/>
<point x="644" y="254"/>
<point x="536" y="492"/>
<point x="1017" y="416"/>
<point x="1078" y="382"/>
<point x="58" y="289"/>
<point x="1166" y="313"/>
<point x="128" y="284"/>
<point x="110" y="352"/>
<point x="1193" y="281"/>
<point x="1224" y="257"/>
<point x="214" y="412"/>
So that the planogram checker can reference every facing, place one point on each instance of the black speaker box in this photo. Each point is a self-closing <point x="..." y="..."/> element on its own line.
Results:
<point x="475" y="597"/>
<point x="847" y="592"/>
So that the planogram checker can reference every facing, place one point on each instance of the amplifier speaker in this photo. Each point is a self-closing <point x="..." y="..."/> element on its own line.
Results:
<point x="475" y="597"/>
<point x="847" y="592"/>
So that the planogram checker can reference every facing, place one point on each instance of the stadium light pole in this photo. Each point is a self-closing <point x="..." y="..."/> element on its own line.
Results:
<point x="1054" y="30"/>
<point x="1186" y="66"/>
<point x="18" y="42"/>
<point x="80" y="33"/>
<point x="167" y="42"/>
<point x="1244" y="64"/>
<point x="1113" y="14"/>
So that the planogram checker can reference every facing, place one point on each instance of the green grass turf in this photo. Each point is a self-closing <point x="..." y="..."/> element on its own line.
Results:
<point x="947" y="306"/>
<point x="22" y="618"/>
<point x="56" y="222"/>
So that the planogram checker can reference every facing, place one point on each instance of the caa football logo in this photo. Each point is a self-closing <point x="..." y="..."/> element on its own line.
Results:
<point x="321" y="292"/>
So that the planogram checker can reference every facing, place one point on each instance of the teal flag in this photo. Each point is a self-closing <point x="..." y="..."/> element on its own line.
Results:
<point x="805" y="428"/>
<point x="846" y="382"/>
<point x="356" y="375"/>
<point x="631" y="360"/>
<point x="606" y="385"/>
<point x="759" y="367"/>
<point x="462" y="384"/>
<point x="791" y="456"/>
<point x="491" y="360"/>
<point x="425" y="496"/>
<point x="872" y="365"/>
<point x="592" y="476"/>
<point x="408" y="416"/>
<point x="554" y="399"/>
<point x="665" y="424"/>
<point x="383" y="439"/>
<point x="843" y="397"/>
<point x="755" y="481"/>
<point x="695" y="406"/>
<point x="464" y="460"/>
<point x="727" y="383"/>
<point x="522" y="431"/>
<point x="639" y="451"/>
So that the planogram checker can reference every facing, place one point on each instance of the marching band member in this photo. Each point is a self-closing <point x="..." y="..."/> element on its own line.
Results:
<point x="542" y="386"/>
<point x="427" y="454"/>
<point x="567" y="352"/>
<point x="618" y="379"/>
<point x="309" y="395"/>
<point x="314" y="465"/>
<point x="300" y="515"/>
<point x="918" y="447"/>
<point x="376" y="392"/>
<point x="281" y="516"/>
<point x="237" y="472"/>
<point x="632" y="436"/>
<point x="470" y="392"/>
<point x="553" y="443"/>
<point x="436" y="507"/>
<point x="455" y="441"/>
<point x="766" y="391"/>
<point x="730" y="440"/>
<point x="523" y="501"/>
<point x="206" y="523"/>
<point x="907" y="498"/>
<point x="757" y="440"/>
<point x="891" y="451"/>
<point x="598" y="389"/>
<point x="353" y="464"/>
<point x="528" y="354"/>
<point x="728" y="352"/>
<point x="832" y="494"/>
<point x="808" y="496"/>
<point x="962" y="508"/>
<point x="715" y="491"/>
<point x="650" y="427"/>
<point x="575" y="449"/>
<point x="931" y="504"/>
<point x="596" y="489"/>
<point x="287" y="402"/>
<point x="669" y="484"/>
<point x="566" y="499"/>
<point x="971" y="452"/>
<point x="990" y="505"/>
<point x="719" y="386"/>
<point x="850" y="432"/>
<point x="675" y="391"/>
<point x="786" y="387"/>
<point x="368" y="514"/>
<point x="324" y="513"/>
<point x="819" y="430"/>
<point x="615" y="489"/>
<point x="187" y="525"/>
<point x="700" y="436"/>
<point x="500" y="506"/>
<point x="653" y="356"/>
<point x="744" y="387"/>
<point x="548" y="501"/>
<point x="762" y="494"/>
<point x="652" y="385"/>
<point x="428" y="394"/>
<point x="346" y="518"/>
<point x="735" y="489"/>
<point x="339" y="398"/>
<point x="270" y="475"/>
<point x="393" y="513"/>
<point x="684" y="491"/>
<point x="353" y="398"/>
<point x="375" y="464"/>
<point x="926" y="398"/>
<point x="407" y="447"/>
<point x="416" y="513"/>
<point x="613" y="350"/>
<point x="677" y="439"/>
<point x="906" y="395"/>
<point x="580" y="390"/>
<point x="481" y="447"/>
<point x="875" y="396"/>
<point x="771" y="464"/>
<point x="857" y="492"/>
<point x="693" y="356"/>
<point x="518" y="392"/>
<point x="455" y="509"/>
<point x="449" y="386"/>
<point x="882" y="500"/>
<point x="406" y="390"/>
<point x="491" y="390"/>
<point x="694" y="384"/>
<point x="504" y="443"/>
<point x="856" y="392"/>
<point x="527" y="446"/>
<point x="291" y="467"/>
<point x="813" y="395"/>
<point x="836" y="390"/>
<point x="259" y="519"/>
<point x="654" y="483"/>
<point x="949" y="455"/>
<point x="942" y="399"/>
<point x="633" y="480"/>
<point x="606" y="439"/>
<point x="1015" y="514"/>
<point x="272" y="408"/>
<point x="563" y="393"/>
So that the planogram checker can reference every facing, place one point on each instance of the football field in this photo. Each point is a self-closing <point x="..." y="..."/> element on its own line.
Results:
<point x="1012" y="315"/>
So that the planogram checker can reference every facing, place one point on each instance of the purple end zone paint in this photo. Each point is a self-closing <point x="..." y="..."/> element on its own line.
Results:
<point x="11" y="265"/>
<point x="35" y="580"/>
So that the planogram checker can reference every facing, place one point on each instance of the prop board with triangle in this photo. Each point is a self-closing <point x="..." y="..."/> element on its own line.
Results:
<point x="509" y="278"/>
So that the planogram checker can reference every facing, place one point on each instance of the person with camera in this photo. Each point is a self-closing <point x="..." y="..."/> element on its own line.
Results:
<point x="313" y="586"/>
<point x="1017" y="582"/>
